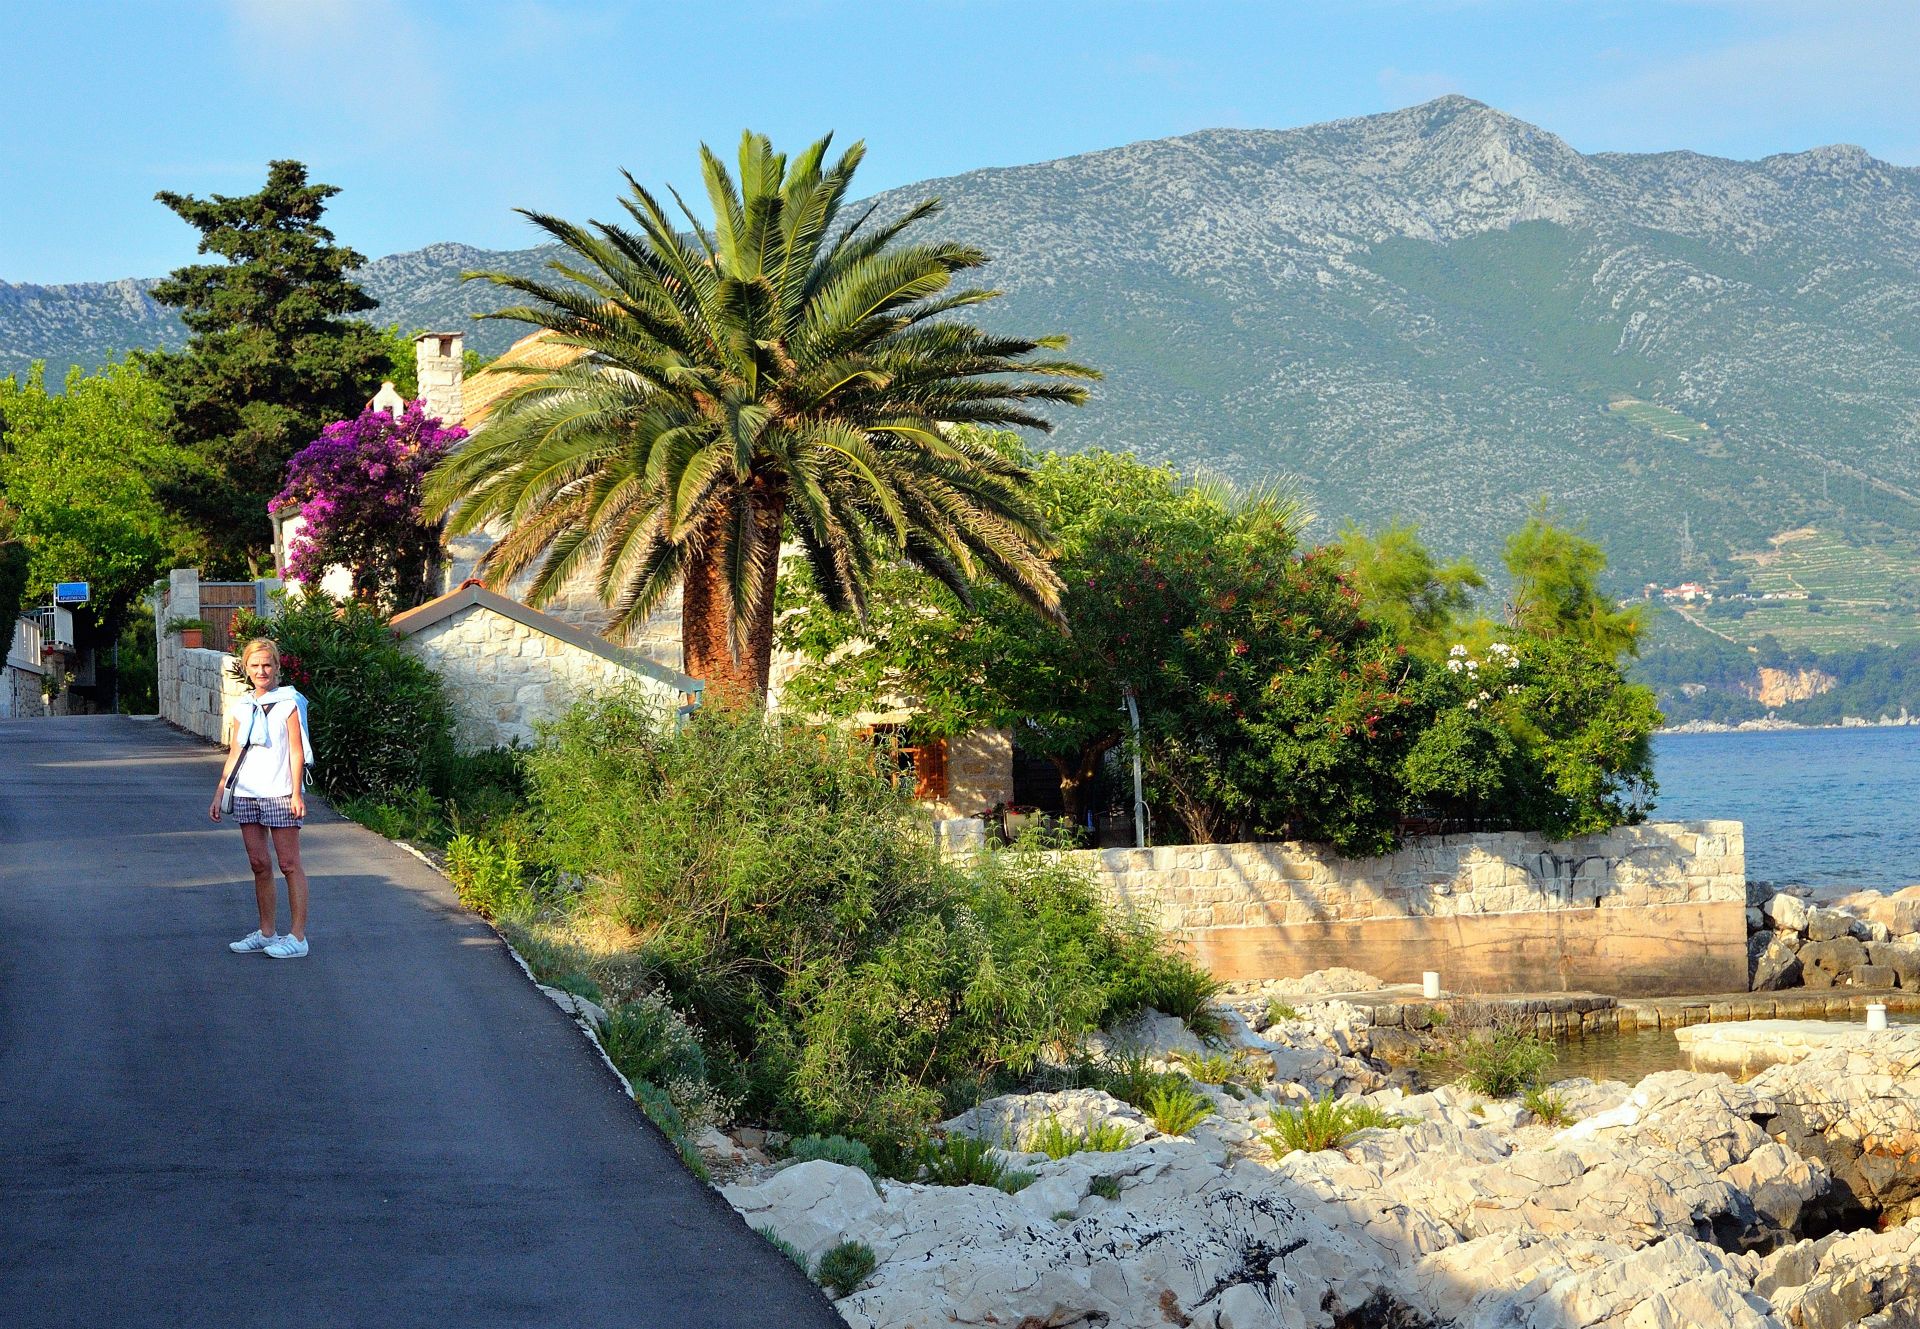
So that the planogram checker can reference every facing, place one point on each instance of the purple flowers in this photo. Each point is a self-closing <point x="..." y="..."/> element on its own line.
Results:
<point x="359" y="488"/>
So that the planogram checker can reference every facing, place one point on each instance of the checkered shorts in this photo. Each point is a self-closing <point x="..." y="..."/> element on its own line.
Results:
<point x="276" y="813"/>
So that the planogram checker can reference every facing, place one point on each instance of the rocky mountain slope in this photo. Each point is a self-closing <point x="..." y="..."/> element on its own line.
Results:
<point x="1440" y="313"/>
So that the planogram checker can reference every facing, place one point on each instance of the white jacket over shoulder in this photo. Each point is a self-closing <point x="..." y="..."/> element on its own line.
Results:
<point x="267" y="769"/>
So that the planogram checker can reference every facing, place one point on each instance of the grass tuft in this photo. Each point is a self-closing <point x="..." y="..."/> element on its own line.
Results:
<point x="1324" y="1124"/>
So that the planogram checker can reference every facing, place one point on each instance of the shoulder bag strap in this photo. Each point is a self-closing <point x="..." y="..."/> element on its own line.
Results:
<point x="245" y="748"/>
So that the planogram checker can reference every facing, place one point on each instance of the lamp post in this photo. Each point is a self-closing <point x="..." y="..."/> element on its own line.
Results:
<point x="1139" y="787"/>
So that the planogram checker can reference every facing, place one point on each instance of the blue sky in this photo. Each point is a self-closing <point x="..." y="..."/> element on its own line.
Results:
<point x="438" y="119"/>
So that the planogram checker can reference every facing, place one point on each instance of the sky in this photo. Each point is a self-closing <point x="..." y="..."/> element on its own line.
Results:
<point x="437" y="120"/>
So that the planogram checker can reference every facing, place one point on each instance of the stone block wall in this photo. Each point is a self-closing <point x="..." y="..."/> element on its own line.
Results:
<point x="1637" y="910"/>
<point x="979" y="774"/>
<point x="504" y="678"/>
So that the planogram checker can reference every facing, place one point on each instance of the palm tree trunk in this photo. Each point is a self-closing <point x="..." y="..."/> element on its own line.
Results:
<point x="734" y="681"/>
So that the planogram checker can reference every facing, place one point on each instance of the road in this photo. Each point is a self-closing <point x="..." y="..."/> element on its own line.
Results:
<point x="397" y="1130"/>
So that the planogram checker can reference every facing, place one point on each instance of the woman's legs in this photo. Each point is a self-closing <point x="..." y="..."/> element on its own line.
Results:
<point x="286" y="848"/>
<point x="254" y="837"/>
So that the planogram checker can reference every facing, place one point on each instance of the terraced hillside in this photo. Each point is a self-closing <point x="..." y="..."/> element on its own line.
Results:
<point x="1821" y="593"/>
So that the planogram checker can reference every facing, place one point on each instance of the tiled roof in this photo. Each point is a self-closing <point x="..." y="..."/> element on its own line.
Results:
<point x="538" y="350"/>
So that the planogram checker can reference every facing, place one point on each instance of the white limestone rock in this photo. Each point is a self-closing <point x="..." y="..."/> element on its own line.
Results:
<point x="1787" y="913"/>
<point x="1011" y="1119"/>
<point x="813" y="1205"/>
<point x="1848" y="1279"/>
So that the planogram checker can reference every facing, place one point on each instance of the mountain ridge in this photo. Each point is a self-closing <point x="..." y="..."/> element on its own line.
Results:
<point x="1436" y="313"/>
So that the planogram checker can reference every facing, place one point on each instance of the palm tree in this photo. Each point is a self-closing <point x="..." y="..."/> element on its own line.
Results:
<point x="779" y="373"/>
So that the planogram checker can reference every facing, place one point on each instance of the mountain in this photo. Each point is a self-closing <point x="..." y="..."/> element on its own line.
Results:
<point x="1441" y="313"/>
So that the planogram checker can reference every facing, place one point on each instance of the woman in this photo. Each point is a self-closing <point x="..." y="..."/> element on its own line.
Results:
<point x="266" y="761"/>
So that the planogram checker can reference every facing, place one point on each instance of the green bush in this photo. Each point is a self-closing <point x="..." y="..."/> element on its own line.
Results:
<point x="649" y="1040"/>
<point x="660" y="1110"/>
<point x="1509" y="1061"/>
<point x="484" y="788"/>
<point x="1548" y="1108"/>
<point x="379" y="718"/>
<point x="1057" y="1140"/>
<point x="1324" y="1124"/>
<point x="961" y="1160"/>
<point x="847" y="979"/>
<point x="1176" y="1110"/>
<point x="1107" y="1188"/>
<point x="1278" y="1011"/>
<point x="411" y="814"/>
<point x="834" y="1149"/>
<point x="1133" y="1078"/>
<point x="845" y="1267"/>
<point x="489" y="876"/>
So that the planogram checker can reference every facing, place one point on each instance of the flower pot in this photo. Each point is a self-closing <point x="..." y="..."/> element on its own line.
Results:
<point x="190" y="638"/>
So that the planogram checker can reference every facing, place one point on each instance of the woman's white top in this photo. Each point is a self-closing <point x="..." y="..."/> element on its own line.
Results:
<point x="267" y="769"/>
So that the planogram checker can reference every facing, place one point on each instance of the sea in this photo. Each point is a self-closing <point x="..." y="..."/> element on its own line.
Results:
<point x="1822" y="807"/>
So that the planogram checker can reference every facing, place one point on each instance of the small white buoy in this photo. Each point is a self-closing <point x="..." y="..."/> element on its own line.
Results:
<point x="1876" y="1015"/>
<point x="1430" y="985"/>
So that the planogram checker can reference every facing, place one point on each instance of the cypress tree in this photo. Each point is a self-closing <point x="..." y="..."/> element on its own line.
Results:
<point x="275" y="354"/>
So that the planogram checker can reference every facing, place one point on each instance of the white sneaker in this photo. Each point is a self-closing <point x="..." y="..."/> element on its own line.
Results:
<point x="255" y="940"/>
<point x="286" y="948"/>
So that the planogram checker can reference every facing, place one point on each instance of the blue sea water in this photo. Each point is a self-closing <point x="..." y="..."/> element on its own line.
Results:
<point x="1823" y="807"/>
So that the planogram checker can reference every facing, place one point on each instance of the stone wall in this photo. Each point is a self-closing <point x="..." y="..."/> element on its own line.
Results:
<point x="504" y="677"/>
<point x="21" y="672"/>
<point x="1638" y="910"/>
<point x="979" y="774"/>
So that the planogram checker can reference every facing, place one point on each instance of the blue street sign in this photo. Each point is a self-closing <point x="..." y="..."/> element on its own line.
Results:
<point x="70" y="593"/>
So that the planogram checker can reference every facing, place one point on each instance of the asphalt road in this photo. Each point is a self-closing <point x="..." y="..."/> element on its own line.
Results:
<point x="397" y="1130"/>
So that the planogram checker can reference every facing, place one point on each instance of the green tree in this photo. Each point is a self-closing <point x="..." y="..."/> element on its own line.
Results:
<point x="1556" y="589"/>
<point x="999" y="663"/>
<point x="73" y="469"/>
<point x="13" y="570"/>
<point x="275" y="354"/>
<point x="779" y="373"/>
<point x="1401" y="587"/>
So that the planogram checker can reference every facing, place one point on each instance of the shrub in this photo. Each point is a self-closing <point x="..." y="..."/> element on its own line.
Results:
<point x="1178" y="987"/>
<point x="379" y="718"/>
<point x="1176" y="1110"/>
<point x="848" y="979"/>
<point x="1506" y="1063"/>
<point x="1107" y="1188"/>
<point x="834" y="1149"/>
<point x="1211" y="1067"/>
<point x="1133" y="1078"/>
<point x="1277" y="1011"/>
<point x="785" y="1247"/>
<point x="658" y="1105"/>
<point x="845" y="1267"/>
<point x="1324" y="1124"/>
<point x="410" y="814"/>
<point x="489" y="876"/>
<point x="961" y="1160"/>
<point x="483" y="788"/>
<point x="556" y="963"/>
<point x="1057" y="1140"/>
<point x="648" y="1040"/>
<point x="1547" y="1107"/>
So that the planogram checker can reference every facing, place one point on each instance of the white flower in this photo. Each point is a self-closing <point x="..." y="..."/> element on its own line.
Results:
<point x="1473" y="666"/>
<point x="1473" y="703"/>
<point x="1454" y="666"/>
<point x="1512" y="688"/>
<point x="1457" y="652"/>
<point x="1501" y="648"/>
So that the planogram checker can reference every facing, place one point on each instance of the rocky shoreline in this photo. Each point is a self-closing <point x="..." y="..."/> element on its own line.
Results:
<point x="1689" y="1199"/>
<point x="1772" y="723"/>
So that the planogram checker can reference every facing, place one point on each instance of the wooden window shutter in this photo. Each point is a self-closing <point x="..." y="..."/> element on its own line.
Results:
<point x="930" y="771"/>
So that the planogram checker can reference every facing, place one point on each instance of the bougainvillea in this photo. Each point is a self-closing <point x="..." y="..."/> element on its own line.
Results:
<point x="358" y="486"/>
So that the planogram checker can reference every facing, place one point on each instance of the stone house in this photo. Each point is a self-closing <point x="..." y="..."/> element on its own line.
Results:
<point x="22" y="672"/>
<point x="966" y="777"/>
<point x="509" y="668"/>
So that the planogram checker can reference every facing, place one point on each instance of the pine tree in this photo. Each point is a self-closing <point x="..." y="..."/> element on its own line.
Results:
<point x="275" y="355"/>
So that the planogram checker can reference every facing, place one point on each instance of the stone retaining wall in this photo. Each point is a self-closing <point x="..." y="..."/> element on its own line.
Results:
<point x="1639" y="910"/>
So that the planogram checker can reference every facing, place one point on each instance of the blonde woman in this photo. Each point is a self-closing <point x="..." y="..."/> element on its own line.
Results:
<point x="267" y="756"/>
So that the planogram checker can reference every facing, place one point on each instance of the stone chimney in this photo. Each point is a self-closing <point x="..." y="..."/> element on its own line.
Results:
<point x="439" y="356"/>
